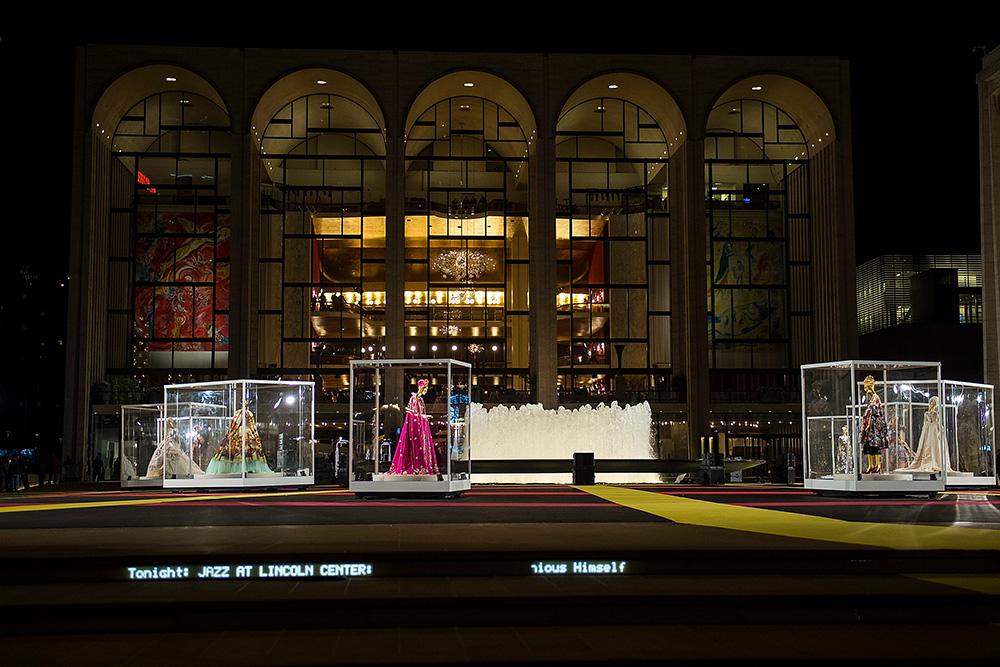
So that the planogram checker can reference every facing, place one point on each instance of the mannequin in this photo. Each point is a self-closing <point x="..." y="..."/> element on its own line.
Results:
<point x="170" y="458"/>
<point x="415" y="453"/>
<point x="874" y="432"/>
<point x="234" y="455"/>
<point x="845" y="456"/>
<point x="928" y="456"/>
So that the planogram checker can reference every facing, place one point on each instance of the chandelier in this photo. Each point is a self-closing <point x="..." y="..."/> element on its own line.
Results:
<point x="463" y="265"/>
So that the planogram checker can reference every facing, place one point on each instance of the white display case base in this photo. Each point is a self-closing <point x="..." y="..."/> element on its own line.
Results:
<point x="410" y="484"/>
<point x="874" y="486"/>
<point x="142" y="482"/>
<point x="237" y="481"/>
<point x="406" y="478"/>
<point x="968" y="480"/>
<point x="887" y="477"/>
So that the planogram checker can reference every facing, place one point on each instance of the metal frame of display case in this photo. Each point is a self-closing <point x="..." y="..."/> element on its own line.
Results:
<point x="904" y="388"/>
<point x="970" y="466"/>
<point x="186" y="411"/>
<point x="369" y="460"/>
<point x="130" y="476"/>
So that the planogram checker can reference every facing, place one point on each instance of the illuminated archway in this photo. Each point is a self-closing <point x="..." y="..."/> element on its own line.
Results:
<point x="760" y="138"/>
<point x="168" y="223"/>
<point x="321" y="241"/>
<point x="469" y="138"/>
<point x="614" y="139"/>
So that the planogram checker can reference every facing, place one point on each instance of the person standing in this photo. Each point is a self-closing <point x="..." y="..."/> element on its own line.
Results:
<point x="98" y="468"/>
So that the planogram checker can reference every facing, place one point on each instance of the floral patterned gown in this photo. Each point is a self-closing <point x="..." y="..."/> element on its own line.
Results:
<point x="874" y="430"/>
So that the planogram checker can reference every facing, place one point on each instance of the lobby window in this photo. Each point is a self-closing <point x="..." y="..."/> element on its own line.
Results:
<point x="466" y="275"/>
<point x="169" y="238"/>
<point x="758" y="258"/>
<point x="321" y="244"/>
<point x="613" y="251"/>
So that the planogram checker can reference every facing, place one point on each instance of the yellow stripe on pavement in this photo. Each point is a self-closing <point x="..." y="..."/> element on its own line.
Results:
<point x="120" y="502"/>
<point x="790" y="524"/>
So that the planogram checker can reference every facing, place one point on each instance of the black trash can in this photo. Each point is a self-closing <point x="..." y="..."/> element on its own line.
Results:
<point x="712" y="469"/>
<point x="784" y="470"/>
<point x="583" y="468"/>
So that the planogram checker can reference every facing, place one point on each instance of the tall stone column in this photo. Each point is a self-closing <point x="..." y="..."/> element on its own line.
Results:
<point x="834" y="298"/>
<point x="395" y="244"/>
<point x="989" y="163"/>
<point x="689" y="301"/>
<point x="243" y="255"/>
<point x="84" y="344"/>
<point x="543" y="358"/>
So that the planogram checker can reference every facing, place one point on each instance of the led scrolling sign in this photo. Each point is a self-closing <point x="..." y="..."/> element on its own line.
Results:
<point x="324" y="570"/>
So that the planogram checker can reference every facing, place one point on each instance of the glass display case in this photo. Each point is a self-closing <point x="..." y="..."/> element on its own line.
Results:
<point x="139" y="442"/>
<point x="873" y="427"/>
<point x="238" y="433"/>
<point x="970" y="450"/>
<point x="410" y="430"/>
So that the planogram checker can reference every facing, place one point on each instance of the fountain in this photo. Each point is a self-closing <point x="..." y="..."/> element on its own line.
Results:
<point x="532" y="432"/>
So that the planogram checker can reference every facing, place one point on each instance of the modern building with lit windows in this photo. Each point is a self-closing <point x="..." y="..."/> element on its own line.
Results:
<point x="580" y="228"/>
<point x="904" y="289"/>
<point x="923" y="307"/>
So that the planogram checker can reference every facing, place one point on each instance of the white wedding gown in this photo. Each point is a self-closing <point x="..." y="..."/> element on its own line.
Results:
<point x="169" y="455"/>
<point x="929" y="451"/>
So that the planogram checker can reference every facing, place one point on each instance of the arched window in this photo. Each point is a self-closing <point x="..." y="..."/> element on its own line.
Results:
<point x="321" y="252"/>
<point x="168" y="307"/>
<point x="613" y="251"/>
<point x="466" y="276"/>
<point x="758" y="268"/>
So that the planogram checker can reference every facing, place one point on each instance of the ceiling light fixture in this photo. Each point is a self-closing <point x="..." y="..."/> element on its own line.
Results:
<point x="463" y="265"/>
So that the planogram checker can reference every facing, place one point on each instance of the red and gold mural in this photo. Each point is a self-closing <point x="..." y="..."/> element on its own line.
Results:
<point x="181" y="263"/>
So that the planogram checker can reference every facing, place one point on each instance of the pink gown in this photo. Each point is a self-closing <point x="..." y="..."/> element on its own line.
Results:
<point x="415" y="452"/>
